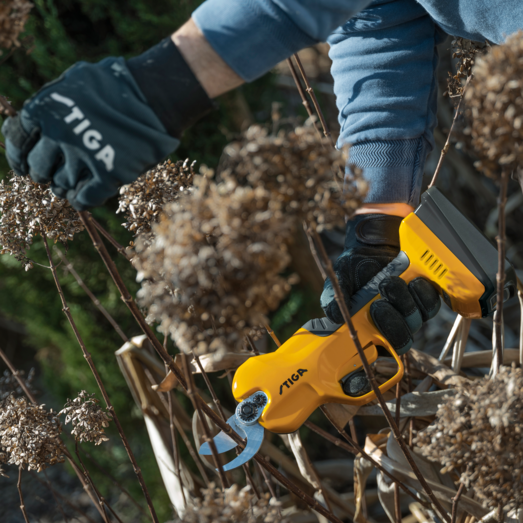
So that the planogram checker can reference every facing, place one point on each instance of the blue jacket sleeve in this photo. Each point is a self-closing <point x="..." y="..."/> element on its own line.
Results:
<point x="384" y="62"/>
<point x="252" y="36"/>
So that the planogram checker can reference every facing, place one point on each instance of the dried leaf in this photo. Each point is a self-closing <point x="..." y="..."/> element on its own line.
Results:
<point x="341" y="414"/>
<point x="168" y="383"/>
<point x="362" y="471"/>
<point x="434" y="368"/>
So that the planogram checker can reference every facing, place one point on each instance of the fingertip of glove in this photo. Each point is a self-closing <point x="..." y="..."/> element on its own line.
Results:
<point x="333" y="312"/>
<point x="426" y="297"/>
<point x="392" y="325"/>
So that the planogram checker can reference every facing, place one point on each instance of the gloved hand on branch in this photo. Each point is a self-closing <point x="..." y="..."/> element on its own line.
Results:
<point x="99" y="126"/>
<point x="371" y="243"/>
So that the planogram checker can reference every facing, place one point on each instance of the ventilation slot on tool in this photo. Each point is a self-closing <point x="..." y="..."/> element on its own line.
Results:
<point x="433" y="264"/>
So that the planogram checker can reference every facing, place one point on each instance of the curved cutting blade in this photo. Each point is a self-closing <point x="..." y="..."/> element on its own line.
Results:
<point x="222" y="441"/>
<point x="254" y="435"/>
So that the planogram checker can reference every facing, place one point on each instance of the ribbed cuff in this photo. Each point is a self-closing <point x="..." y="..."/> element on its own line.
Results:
<point x="250" y="36"/>
<point x="393" y="169"/>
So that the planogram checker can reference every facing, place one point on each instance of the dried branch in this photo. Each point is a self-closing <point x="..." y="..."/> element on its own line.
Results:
<point x="107" y="235"/>
<point x="455" y="501"/>
<point x="500" y="276"/>
<point x="105" y="396"/>
<point x="447" y="142"/>
<point x="70" y="268"/>
<point x="16" y="374"/>
<point x="310" y="90"/>
<point x="101" y="500"/>
<point x="19" y="487"/>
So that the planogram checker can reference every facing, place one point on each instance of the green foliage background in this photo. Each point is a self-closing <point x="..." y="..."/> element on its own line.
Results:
<point x="65" y="32"/>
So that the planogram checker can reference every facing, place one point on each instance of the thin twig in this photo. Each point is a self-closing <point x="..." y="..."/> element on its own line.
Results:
<point x="101" y="500"/>
<point x="447" y="142"/>
<point x="19" y="487"/>
<point x="70" y="268"/>
<point x="86" y="486"/>
<point x="397" y="506"/>
<point x="271" y="333"/>
<point x="370" y="374"/>
<point x="174" y="439"/>
<point x="7" y="107"/>
<point x="101" y="386"/>
<point x="255" y="351"/>
<point x="186" y="440"/>
<point x="303" y="96"/>
<point x="310" y="90"/>
<point x="455" y="501"/>
<point x="354" y="448"/>
<point x="206" y="432"/>
<point x="107" y="474"/>
<point x="500" y="276"/>
<point x="16" y="374"/>
<point x="58" y="504"/>
<point x="107" y="235"/>
<point x="501" y="516"/>
<point x="57" y="494"/>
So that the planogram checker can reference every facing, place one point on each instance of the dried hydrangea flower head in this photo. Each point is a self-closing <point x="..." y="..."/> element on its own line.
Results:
<point x="29" y="434"/>
<point x="479" y="434"/>
<point x="465" y="51"/>
<point x="13" y="16"/>
<point x="495" y="107"/>
<point x="88" y="419"/>
<point x="212" y="273"/>
<point x="9" y="384"/>
<point x="142" y="200"/>
<point x="25" y="208"/>
<point x="300" y="170"/>
<point x="235" y="505"/>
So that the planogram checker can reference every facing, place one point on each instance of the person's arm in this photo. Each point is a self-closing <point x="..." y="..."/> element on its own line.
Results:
<point x="384" y="62"/>
<point x="214" y="75"/>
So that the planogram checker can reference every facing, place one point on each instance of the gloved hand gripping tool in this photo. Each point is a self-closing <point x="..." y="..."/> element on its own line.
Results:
<point x="319" y="364"/>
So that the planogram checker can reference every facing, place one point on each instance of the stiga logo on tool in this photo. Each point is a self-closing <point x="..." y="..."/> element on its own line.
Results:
<point x="91" y="138"/>
<point x="292" y="379"/>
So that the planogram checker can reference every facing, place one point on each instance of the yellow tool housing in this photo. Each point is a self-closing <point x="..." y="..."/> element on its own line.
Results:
<point x="437" y="243"/>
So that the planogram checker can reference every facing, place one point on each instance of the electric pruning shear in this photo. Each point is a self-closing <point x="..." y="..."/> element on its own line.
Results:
<point x="319" y="363"/>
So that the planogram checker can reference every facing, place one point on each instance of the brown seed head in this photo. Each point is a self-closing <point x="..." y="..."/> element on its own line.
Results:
<point x="29" y="434"/>
<point x="494" y="106"/>
<point x="235" y="505"/>
<point x="142" y="200"/>
<point x="25" y="208"/>
<point x="88" y="419"/>
<point x="300" y="170"/>
<point x="13" y="16"/>
<point x="479" y="435"/>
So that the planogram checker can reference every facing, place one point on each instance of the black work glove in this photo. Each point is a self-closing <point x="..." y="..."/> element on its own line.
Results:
<point x="371" y="243"/>
<point x="99" y="126"/>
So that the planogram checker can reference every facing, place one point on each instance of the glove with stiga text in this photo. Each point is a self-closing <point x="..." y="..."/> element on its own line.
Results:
<point x="371" y="243"/>
<point x="99" y="126"/>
